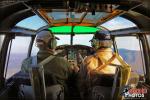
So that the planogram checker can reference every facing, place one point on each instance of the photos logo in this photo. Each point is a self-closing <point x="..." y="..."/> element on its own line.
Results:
<point x="129" y="92"/>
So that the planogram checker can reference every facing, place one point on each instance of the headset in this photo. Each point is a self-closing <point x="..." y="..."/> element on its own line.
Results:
<point x="96" y="43"/>
<point x="52" y="43"/>
<point x="101" y="39"/>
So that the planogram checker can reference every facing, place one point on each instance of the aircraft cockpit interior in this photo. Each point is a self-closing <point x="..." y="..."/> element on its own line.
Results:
<point x="74" y="24"/>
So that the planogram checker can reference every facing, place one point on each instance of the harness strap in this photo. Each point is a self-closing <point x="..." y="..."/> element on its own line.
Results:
<point x="106" y="63"/>
<point x="124" y="74"/>
<point x="103" y="65"/>
<point x="48" y="59"/>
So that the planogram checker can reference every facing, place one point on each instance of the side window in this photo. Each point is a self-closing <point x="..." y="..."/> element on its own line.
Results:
<point x="131" y="51"/>
<point x="34" y="49"/>
<point x="1" y="41"/>
<point x="18" y="52"/>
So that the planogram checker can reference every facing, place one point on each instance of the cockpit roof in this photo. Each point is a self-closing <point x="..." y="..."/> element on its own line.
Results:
<point x="80" y="12"/>
<point x="35" y="23"/>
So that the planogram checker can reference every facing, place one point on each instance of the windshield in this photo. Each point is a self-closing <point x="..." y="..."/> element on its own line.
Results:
<point x="83" y="39"/>
<point x="77" y="39"/>
<point x="65" y="40"/>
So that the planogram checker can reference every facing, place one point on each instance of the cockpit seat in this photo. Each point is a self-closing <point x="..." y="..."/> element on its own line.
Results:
<point x="101" y="87"/>
<point x="44" y="91"/>
<point x="111" y="90"/>
<point x="105" y="86"/>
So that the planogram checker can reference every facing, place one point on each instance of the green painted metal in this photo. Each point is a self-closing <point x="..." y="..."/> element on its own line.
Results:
<point x="76" y="30"/>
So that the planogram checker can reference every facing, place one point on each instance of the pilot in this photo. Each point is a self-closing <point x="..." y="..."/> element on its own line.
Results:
<point x="94" y="65"/>
<point x="100" y="68"/>
<point x="102" y="43"/>
<point x="58" y="66"/>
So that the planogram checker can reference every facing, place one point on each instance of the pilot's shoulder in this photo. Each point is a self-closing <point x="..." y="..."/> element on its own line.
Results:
<point x="62" y="61"/>
<point x="27" y="60"/>
<point x="88" y="59"/>
<point x="26" y="64"/>
<point x="60" y="58"/>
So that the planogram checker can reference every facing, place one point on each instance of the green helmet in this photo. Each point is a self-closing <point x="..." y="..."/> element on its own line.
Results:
<point x="101" y="39"/>
<point x="45" y="38"/>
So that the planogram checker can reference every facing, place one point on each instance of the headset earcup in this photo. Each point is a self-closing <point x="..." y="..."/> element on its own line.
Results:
<point x="95" y="43"/>
<point x="53" y="43"/>
<point x="49" y="44"/>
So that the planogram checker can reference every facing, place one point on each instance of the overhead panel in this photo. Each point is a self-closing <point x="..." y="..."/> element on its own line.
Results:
<point x="73" y="30"/>
<point x="83" y="29"/>
<point x="61" y="29"/>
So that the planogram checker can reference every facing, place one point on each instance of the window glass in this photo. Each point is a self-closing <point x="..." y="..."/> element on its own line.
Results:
<point x="129" y="49"/>
<point x="61" y="15"/>
<point x="1" y="41"/>
<point x="118" y="23"/>
<point x="18" y="52"/>
<point x="65" y="40"/>
<point x="34" y="49"/>
<point x="33" y="22"/>
<point x="83" y="39"/>
<point x="97" y="16"/>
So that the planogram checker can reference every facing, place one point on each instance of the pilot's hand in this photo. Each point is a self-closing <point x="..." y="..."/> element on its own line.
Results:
<point x="74" y="67"/>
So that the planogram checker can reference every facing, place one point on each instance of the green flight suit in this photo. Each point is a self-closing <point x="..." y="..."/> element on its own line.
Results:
<point x="58" y="66"/>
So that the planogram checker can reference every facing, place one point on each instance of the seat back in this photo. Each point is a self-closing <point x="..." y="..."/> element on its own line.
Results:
<point x="51" y="91"/>
<point x="37" y="83"/>
<point x="116" y="84"/>
<point x="120" y="80"/>
<point x="43" y="91"/>
<point x="101" y="93"/>
<point x="102" y="86"/>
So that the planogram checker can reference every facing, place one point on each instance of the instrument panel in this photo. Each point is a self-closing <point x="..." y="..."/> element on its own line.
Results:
<point x="75" y="53"/>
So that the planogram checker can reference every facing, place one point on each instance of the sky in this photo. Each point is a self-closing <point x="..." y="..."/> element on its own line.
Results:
<point x="34" y="22"/>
